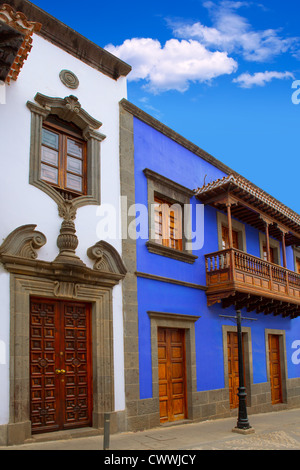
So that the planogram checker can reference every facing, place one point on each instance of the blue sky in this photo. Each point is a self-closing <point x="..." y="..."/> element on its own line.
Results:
<point x="219" y="72"/>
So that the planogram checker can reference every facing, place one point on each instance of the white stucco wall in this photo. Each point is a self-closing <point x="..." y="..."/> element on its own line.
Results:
<point x="22" y="203"/>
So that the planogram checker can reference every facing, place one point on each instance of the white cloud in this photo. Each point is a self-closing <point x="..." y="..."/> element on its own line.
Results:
<point x="261" y="78"/>
<point x="201" y="53"/>
<point x="232" y="32"/>
<point x="172" y="66"/>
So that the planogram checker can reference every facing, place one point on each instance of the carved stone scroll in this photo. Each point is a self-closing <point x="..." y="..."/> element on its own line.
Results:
<point x="23" y="242"/>
<point x="106" y="258"/>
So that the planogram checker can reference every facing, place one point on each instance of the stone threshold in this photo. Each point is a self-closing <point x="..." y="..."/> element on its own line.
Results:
<point x="176" y="423"/>
<point x="64" y="435"/>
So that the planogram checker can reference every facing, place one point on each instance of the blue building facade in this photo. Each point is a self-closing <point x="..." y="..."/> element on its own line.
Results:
<point x="180" y="352"/>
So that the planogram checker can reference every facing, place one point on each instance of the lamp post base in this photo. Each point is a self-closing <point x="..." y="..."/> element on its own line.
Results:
<point x="244" y="431"/>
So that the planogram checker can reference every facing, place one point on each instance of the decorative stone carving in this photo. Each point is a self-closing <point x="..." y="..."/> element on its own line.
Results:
<point x="67" y="210"/>
<point x="65" y="289"/>
<point x="72" y="107"/>
<point x="67" y="271"/>
<point x="67" y="241"/>
<point x="106" y="258"/>
<point x="69" y="79"/>
<point x="68" y="109"/>
<point x="23" y="242"/>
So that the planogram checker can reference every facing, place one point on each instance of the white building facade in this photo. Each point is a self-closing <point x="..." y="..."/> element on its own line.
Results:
<point x="61" y="321"/>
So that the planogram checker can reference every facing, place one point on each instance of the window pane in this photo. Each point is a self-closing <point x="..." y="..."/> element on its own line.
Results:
<point x="74" y="182"/>
<point x="50" y="138"/>
<point x="74" y="165"/>
<point x="158" y="223"/>
<point x="175" y="228"/>
<point x="74" y="148"/>
<point x="49" y="156"/>
<point x="49" y="174"/>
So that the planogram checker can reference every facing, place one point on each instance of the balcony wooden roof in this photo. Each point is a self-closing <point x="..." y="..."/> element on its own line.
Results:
<point x="253" y="206"/>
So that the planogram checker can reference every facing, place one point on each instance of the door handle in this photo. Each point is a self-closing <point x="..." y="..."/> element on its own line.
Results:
<point x="60" y="371"/>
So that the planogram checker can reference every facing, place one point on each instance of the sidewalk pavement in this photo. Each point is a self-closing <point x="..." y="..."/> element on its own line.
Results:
<point x="272" y="431"/>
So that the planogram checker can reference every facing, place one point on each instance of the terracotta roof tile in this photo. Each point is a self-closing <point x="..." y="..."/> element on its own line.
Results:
<point x="233" y="182"/>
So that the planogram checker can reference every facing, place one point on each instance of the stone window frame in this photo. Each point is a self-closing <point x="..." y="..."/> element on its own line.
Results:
<point x="70" y="110"/>
<point x="248" y="359"/>
<point x="275" y="244"/>
<point x="283" y="360"/>
<point x="187" y="323"/>
<point x="239" y="227"/>
<point x="175" y="193"/>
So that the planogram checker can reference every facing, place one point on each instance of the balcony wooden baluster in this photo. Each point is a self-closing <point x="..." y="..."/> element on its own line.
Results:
<point x="232" y="273"/>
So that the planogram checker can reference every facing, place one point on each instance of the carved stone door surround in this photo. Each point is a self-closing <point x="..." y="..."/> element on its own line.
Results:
<point x="64" y="278"/>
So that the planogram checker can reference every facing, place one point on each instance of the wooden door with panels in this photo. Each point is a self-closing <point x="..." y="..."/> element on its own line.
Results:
<point x="272" y="254"/>
<point x="225" y="238"/>
<point x="275" y="369"/>
<point x="172" y="374"/>
<point x="60" y="365"/>
<point x="233" y="367"/>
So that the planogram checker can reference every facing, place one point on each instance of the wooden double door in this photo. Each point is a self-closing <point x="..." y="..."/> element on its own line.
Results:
<point x="172" y="374"/>
<point x="60" y="365"/>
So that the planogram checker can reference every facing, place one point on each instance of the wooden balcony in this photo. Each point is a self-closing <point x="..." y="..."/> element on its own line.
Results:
<point x="234" y="277"/>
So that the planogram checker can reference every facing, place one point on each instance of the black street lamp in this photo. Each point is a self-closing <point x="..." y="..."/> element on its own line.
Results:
<point x="242" y="422"/>
<point x="243" y="425"/>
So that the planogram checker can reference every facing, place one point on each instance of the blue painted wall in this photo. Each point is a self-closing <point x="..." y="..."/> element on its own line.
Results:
<point x="157" y="152"/>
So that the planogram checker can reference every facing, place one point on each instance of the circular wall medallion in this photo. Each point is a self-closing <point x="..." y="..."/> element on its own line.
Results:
<point x="69" y="79"/>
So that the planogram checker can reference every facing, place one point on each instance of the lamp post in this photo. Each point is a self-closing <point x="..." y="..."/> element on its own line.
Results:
<point x="242" y="422"/>
<point x="242" y="425"/>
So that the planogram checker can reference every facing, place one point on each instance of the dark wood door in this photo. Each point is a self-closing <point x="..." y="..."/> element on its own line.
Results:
<point x="60" y="365"/>
<point x="233" y="367"/>
<point x="275" y="369"/>
<point x="171" y="374"/>
<point x="272" y="254"/>
<point x="225" y="238"/>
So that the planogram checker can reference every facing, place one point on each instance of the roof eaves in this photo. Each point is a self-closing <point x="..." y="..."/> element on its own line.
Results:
<point x="71" y="41"/>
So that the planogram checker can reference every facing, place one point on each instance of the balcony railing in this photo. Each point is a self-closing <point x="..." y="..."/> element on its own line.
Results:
<point x="232" y="270"/>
